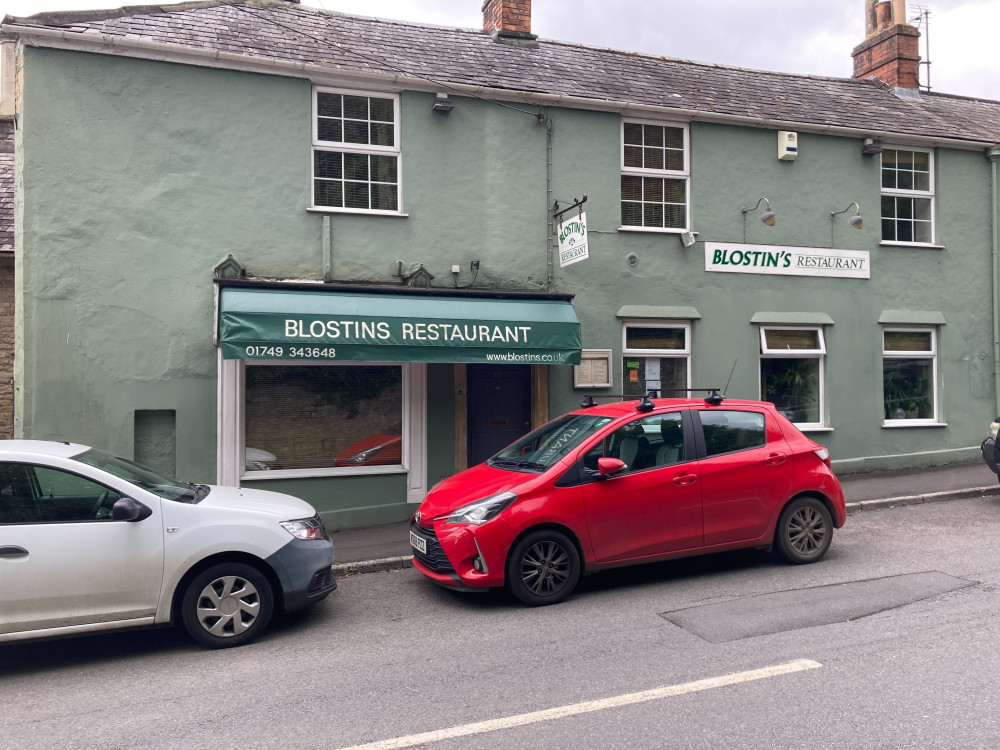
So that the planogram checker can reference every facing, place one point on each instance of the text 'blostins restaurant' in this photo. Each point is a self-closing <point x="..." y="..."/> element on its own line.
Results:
<point x="393" y="385"/>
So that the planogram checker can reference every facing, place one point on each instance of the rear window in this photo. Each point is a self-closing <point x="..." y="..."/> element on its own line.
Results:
<point x="728" y="431"/>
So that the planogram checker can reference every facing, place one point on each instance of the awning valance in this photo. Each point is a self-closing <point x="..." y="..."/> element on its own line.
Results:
<point x="326" y="326"/>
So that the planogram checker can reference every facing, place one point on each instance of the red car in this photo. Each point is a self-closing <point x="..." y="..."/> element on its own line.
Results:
<point x="379" y="449"/>
<point x="625" y="483"/>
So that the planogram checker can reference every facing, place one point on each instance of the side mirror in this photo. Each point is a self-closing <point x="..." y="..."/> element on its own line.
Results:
<point x="608" y="467"/>
<point x="129" y="509"/>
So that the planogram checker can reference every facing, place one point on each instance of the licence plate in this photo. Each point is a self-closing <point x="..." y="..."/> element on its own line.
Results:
<point x="418" y="543"/>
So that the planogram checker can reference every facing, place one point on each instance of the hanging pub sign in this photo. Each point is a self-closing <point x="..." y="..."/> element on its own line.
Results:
<point x="781" y="260"/>
<point x="572" y="239"/>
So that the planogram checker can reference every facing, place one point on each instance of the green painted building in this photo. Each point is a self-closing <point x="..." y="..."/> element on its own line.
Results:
<point x="340" y="257"/>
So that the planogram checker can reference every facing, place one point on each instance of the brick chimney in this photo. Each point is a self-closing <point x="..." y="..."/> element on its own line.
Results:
<point x="890" y="51"/>
<point x="508" y="18"/>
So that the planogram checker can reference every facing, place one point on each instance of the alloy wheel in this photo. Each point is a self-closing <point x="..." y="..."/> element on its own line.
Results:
<point x="545" y="568"/>
<point x="807" y="530"/>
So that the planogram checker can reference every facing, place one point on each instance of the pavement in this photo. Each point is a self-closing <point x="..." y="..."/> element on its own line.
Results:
<point x="387" y="547"/>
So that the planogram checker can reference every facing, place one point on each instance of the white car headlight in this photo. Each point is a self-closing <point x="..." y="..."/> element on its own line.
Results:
<point x="306" y="528"/>
<point x="994" y="429"/>
<point x="483" y="510"/>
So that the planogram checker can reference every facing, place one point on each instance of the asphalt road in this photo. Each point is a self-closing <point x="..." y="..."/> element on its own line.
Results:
<point x="891" y="642"/>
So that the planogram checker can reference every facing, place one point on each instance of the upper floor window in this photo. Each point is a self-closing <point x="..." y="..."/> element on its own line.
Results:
<point x="655" y="176"/>
<point x="355" y="151"/>
<point x="907" y="196"/>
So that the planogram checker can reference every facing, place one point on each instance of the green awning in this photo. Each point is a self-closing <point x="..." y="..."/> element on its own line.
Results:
<point x="349" y="326"/>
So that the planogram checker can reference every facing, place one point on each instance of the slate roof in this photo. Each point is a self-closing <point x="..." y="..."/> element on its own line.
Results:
<point x="6" y="186"/>
<point x="279" y="30"/>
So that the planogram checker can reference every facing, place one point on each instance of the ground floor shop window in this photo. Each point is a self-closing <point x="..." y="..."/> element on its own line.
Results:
<point x="909" y="375"/>
<point x="322" y="416"/>
<point x="655" y="357"/>
<point x="791" y="372"/>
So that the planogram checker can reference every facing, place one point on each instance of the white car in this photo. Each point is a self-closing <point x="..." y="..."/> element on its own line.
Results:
<point x="91" y="542"/>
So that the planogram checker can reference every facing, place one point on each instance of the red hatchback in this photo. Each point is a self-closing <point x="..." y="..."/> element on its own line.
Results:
<point x="626" y="483"/>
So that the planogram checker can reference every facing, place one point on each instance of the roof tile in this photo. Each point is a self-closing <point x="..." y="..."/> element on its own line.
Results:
<point x="284" y="31"/>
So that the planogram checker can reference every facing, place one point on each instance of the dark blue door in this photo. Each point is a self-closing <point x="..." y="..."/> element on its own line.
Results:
<point x="499" y="407"/>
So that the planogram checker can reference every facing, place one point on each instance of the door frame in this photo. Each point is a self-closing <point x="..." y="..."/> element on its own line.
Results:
<point x="539" y="384"/>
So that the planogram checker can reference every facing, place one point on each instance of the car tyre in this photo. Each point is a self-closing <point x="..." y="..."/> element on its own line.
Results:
<point x="805" y="530"/>
<point x="543" y="568"/>
<point x="227" y="605"/>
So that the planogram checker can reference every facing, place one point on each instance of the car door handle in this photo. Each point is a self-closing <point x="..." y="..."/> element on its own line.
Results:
<point x="774" y="459"/>
<point x="682" y="479"/>
<point x="12" y="551"/>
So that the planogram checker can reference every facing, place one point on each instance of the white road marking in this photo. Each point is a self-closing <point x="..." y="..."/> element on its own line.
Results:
<point x="561" y="712"/>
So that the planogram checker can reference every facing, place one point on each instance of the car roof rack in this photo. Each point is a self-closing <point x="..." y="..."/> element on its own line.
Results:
<point x="714" y="398"/>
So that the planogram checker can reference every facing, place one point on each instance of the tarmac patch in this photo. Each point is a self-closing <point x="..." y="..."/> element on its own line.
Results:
<point x="805" y="608"/>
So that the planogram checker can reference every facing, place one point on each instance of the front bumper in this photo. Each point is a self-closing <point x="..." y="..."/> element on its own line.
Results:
<point x="450" y="559"/>
<point x="989" y="450"/>
<point x="304" y="569"/>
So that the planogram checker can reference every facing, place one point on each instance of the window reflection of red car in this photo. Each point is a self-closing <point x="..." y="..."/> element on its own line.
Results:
<point x="379" y="449"/>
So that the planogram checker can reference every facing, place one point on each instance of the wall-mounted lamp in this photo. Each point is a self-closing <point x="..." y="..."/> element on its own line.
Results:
<point x="855" y="221"/>
<point x="768" y="217"/>
<point x="871" y="146"/>
<point x="442" y="103"/>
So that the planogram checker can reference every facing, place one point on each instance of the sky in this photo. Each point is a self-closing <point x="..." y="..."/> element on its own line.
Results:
<point x="792" y="36"/>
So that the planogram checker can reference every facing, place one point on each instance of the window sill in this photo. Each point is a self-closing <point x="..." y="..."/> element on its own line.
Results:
<point x="654" y="230"/>
<point x="813" y="428"/>
<point x="893" y="424"/>
<point x="345" y="471"/>
<point x="915" y="245"/>
<point x="355" y="211"/>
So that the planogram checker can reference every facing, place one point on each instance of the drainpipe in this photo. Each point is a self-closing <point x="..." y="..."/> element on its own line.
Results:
<point x="550" y="244"/>
<point x="993" y="152"/>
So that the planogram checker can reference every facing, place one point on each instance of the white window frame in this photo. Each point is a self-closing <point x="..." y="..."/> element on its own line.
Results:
<point x="684" y="353"/>
<point x="231" y="442"/>
<point x="898" y="193"/>
<point x="767" y="352"/>
<point x="683" y="174"/>
<point x="357" y="148"/>
<point x="932" y="355"/>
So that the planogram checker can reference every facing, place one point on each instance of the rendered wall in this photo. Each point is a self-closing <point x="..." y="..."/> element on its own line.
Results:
<point x="139" y="177"/>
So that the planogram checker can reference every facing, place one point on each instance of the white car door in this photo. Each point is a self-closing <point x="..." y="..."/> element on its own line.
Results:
<point x="64" y="561"/>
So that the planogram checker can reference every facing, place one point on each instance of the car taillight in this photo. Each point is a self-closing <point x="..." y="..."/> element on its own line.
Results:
<point x="823" y="455"/>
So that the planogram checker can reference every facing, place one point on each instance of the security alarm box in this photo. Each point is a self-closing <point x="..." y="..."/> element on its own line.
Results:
<point x="788" y="145"/>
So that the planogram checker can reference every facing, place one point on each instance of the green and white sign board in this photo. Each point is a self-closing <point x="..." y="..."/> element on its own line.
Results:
<point x="781" y="260"/>
<point x="572" y="239"/>
<point x="267" y="323"/>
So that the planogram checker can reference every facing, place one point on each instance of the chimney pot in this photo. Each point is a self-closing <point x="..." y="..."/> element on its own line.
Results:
<point x="883" y="16"/>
